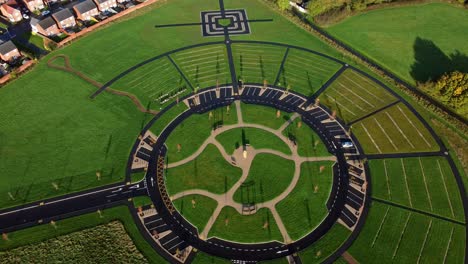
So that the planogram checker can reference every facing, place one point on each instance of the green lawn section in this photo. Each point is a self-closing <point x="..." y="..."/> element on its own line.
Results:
<point x="308" y="142"/>
<point x="396" y="235"/>
<point x="325" y="246"/>
<point x="142" y="201"/>
<point x="393" y="42"/>
<point x="41" y="233"/>
<point x="137" y="176"/>
<point x="257" y="138"/>
<point x="204" y="66"/>
<point x="304" y="208"/>
<point x="263" y="115"/>
<point x="306" y="72"/>
<point x="167" y="118"/>
<point x="269" y="176"/>
<point x="204" y="258"/>
<point x="53" y="139"/>
<point x="193" y="131"/>
<point x="275" y="261"/>
<point x="245" y="228"/>
<point x="353" y="95"/>
<point x="394" y="130"/>
<point x="257" y="62"/>
<point x="209" y="171"/>
<point x="104" y="243"/>
<point x="389" y="183"/>
<point x="198" y="215"/>
<point x="156" y="84"/>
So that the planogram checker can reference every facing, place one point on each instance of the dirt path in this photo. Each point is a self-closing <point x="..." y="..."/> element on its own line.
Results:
<point x="68" y="68"/>
<point x="350" y="259"/>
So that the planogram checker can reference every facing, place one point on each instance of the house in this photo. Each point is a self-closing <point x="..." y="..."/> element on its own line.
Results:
<point x="104" y="5"/>
<point x="85" y="10"/>
<point x="64" y="18"/>
<point x="34" y="5"/>
<point x="8" y="51"/>
<point x="46" y="27"/>
<point x="13" y="14"/>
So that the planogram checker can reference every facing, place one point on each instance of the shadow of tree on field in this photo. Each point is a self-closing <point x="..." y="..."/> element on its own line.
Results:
<point x="431" y="62"/>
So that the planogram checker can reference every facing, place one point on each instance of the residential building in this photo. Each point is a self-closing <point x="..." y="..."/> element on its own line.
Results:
<point x="11" y="13"/>
<point x="64" y="18"/>
<point x="34" y="5"/>
<point x="104" y="5"/>
<point x="8" y="51"/>
<point x="47" y="27"/>
<point x="85" y="10"/>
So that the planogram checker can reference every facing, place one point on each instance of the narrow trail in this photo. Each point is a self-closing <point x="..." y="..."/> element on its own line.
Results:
<point x="68" y="68"/>
<point x="227" y="199"/>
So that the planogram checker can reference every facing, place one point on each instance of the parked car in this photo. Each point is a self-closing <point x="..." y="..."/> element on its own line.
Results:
<point x="45" y="13"/>
<point x="25" y="16"/>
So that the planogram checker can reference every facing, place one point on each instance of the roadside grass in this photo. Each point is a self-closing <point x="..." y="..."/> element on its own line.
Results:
<point x="137" y="176"/>
<point x="204" y="66"/>
<point x="198" y="214"/>
<point x="306" y="72"/>
<point x="391" y="176"/>
<point x="263" y="115"/>
<point x="308" y="142"/>
<point x="54" y="140"/>
<point x="257" y="138"/>
<point x="326" y="245"/>
<point x="353" y="96"/>
<point x="193" y="131"/>
<point x="305" y="207"/>
<point x="256" y="63"/>
<point x="266" y="168"/>
<point x="142" y="201"/>
<point x="156" y="84"/>
<point x="245" y="228"/>
<point x="167" y="118"/>
<point x="204" y="258"/>
<point x="393" y="235"/>
<point x="275" y="261"/>
<point x="209" y="171"/>
<point x="38" y="234"/>
<point x="394" y="130"/>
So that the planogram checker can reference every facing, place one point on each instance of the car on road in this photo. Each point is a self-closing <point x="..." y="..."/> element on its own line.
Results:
<point x="45" y="13"/>
<point x="25" y="16"/>
<point x="347" y="144"/>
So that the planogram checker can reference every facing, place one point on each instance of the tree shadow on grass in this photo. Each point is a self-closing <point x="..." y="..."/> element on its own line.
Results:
<point x="431" y="62"/>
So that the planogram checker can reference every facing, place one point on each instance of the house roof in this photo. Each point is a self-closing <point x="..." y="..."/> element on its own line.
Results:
<point x="85" y="6"/>
<point x="9" y="9"/>
<point x="62" y="14"/>
<point x="7" y="47"/>
<point x="101" y="1"/>
<point x="47" y="23"/>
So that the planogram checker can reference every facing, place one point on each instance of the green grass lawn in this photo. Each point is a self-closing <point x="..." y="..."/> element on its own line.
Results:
<point x="389" y="183"/>
<point x="304" y="208"/>
<point x="308" y="142"/>
<point x="166" y="118"/>
<point x="138" y="176"/>
<point x="245" y="228"/>
<point x="204" y="258"/>
<point x="53" y="139"/>
<point x="394" y="130"/>
<point x="209" y="171"/>
<point x="257" y="62"/>
<point x="275" y="261"/>
<point x="257" y="138"/>
<point x="389" y="37"/>
<point x="156" y="84"/>
<point x="326" y="245"/>
<point x="204" y="66"/>
<point x="38" y="234"/>
<point x="306" y="72"/>
<point x="142" y="201"/>
<point x="263" y="115"/>
<point x="266" y="169"/>
<point x="199" y="214"/>
<point x="393" y="235"/>
<point x="353" y="96"/>
<point x="193" y="131"/>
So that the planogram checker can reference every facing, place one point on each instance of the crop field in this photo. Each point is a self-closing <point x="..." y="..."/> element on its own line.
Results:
<point x="423" y="183"/>
<point x="306" y="72"/>
<point x="204" y="66"/>
<point x="394" y="130"/>
<point x="256" y="63"/>
<point x="353" y="96"/>
<point x="396" y="235"/>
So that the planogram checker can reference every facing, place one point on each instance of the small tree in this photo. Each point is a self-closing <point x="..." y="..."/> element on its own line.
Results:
<point x="5" y="236"/>
<point x="282" y="4"/>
